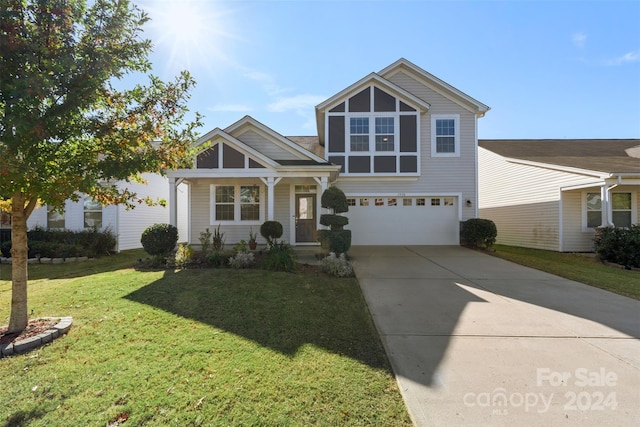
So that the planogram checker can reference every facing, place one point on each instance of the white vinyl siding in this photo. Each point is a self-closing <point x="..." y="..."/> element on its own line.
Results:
<point x="266" y="147"/>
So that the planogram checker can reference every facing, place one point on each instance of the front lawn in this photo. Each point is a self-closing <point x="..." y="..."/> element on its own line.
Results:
<point x="197" y="347"/>
<point x="585" y="268"/>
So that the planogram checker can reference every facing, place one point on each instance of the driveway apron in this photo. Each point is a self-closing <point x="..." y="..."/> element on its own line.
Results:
<point x="475" y="340"/>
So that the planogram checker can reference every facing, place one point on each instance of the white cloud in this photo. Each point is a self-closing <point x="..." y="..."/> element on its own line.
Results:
<point x="231" y="108"/>
<point x="627" y="58"/>
<point x="267" y="81"/>
<point x="579" y="39"/>
<point x="302" y="102"/>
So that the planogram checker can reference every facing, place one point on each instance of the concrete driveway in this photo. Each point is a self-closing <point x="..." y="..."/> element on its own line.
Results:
<point x="475" y="340"/>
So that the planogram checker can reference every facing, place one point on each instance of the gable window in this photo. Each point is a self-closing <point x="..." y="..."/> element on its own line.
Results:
<point x="359" y="133"/>
<point x="236" y="204"/>
<point x="445" y="132"/>
<point x="384" y="134"/>
<point x="55" y="219"/>
<point x="92" y="213"/>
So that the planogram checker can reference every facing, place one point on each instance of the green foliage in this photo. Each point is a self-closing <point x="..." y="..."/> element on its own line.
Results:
<point x="218" y="238"/>
<point x="184" y="256"/>
<point x="479" y="233"/>
<point x="337" y="266"/>
<point x="619" y="245"/>
<point x="279" y="257"/>
<point x="338" y="241"/>
<point x="65" y="243"/>
<point x="334" y="198"/>
<point x="241" y="247"/>
<point x="218" y="259"/>
<point x="336" y="222"/>
<point x="241" y="260"/>
<point x="205" y="241"/>
<point x="271" y="230"/>
<point x="159" y="239"/>
<point x="252" y="236"/>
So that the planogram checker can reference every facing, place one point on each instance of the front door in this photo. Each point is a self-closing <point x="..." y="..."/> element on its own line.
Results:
<point x="305" y="218"/>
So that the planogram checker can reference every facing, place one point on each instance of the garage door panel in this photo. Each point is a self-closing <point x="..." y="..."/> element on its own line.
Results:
<point x="403" y="225"/>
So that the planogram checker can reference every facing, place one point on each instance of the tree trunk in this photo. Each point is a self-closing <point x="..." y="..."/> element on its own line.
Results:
<point x="19" y="251"/>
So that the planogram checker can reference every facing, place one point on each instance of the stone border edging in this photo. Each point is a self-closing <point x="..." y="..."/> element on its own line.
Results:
<point x="44" y="260"/>
<point x="22" y="346"/>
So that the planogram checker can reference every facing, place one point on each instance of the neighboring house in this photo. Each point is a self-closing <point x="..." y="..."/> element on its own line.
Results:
<point x="552" y="194"/>
<point x="127" y="225"/>
<point x="400" y="143"/>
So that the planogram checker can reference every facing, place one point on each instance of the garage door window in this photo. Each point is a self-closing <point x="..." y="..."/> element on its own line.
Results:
<point x="364" y="202"/>
<point x="435" y="202"/>
<point x="407" y="202"/>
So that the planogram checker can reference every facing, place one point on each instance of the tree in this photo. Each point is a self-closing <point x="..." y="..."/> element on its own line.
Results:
<point x="64" y="127"/>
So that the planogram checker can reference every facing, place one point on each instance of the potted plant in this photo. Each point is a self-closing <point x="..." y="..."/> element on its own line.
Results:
<point x="253" y="244"/>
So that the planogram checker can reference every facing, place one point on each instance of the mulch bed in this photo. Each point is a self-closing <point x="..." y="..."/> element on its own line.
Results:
<point x="34" y="327"/>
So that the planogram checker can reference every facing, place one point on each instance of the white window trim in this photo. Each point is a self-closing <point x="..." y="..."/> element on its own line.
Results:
<point x="456" y="118"/>
<point x="583" y="207"/>
<point x="371" y="115"/>
<point x="236" y="205"/>
<point x="85" y="211"/>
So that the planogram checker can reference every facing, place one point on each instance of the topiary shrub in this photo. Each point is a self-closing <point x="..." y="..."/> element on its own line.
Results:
<point x="334" y="198"/>
<point x="159" y="239"/>
<point x="619" y="245"/>
<point x="479" y="233"/>
<point x="336" y="239"/>
<point x="271" y="230"/>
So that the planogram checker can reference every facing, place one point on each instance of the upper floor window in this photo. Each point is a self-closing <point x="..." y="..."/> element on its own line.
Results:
<point x="359" y="133"/>
<point x="235" y="203"/>
<point x="445" y="132"/>
<point x="384" y="134"/>
<point x="92" y="213"/>
<point x="55" y="219"/>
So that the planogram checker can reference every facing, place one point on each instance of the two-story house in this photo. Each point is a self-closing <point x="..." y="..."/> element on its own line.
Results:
<point x="401" y="143"/>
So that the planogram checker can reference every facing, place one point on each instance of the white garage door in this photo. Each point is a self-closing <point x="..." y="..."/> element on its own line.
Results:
<point x="403" y="220"/>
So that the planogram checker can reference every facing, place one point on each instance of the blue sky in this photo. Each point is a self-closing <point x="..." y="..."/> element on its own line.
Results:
<point x="547" y="69"/>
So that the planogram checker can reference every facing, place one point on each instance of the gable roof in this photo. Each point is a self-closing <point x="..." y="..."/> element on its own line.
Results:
<point x="436" y="84"/>
<point x="612" y="156"/>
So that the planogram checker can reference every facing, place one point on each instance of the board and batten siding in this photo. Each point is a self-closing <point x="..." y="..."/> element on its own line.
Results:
<point x="524" y="202"/>
<point x="438" y="175"/>
<point x="266" y="146"/>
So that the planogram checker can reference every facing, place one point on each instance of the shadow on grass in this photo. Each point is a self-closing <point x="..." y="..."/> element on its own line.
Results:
<point x="23" y="418"/>
<point x="280" y="311"/>
<point x="72" y="269"/>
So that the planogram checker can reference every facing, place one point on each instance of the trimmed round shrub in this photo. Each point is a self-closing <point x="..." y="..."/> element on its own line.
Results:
<point x="271" y="230"/>
<point x="479" y="233"/>
<point x="336" y="222"/>
<point x="337" y="241"/>
<point x="159" y="239"/>
<point x="334" y="198"/>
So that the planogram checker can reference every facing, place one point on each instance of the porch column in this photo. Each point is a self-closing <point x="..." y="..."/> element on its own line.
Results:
<point x="173" y="202"/>
<point x="271" y="183"/>
<point x="605" y="206"/>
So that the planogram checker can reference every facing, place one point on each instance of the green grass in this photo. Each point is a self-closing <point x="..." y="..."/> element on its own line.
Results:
<point x="198" y="347"/>
<point x="584" y="268"/>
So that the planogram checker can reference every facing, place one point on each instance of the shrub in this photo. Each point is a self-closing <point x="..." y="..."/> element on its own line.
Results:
<point x="338" y="241"/>
<point x="159" y="239"/>
<point x="66" y="243"/>
<point x="279" y="257"/>
<point x="479" y="233"/>
<point x="241" y="260"/>
<point x="334" y="198"/>
<point x="619" y="245"/>
<point x="205" y="241"/>
<point x="184" y="255"/>
<point x="241" y="247"/>
<point x="5" y="248"/>
<point x="218" y="259"/>
<point x="337" y="266"/>
<point x="271" y="230"/>
<point x="336" y="222"/>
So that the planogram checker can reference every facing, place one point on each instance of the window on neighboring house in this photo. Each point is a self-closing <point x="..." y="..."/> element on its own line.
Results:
<point x="55" y="219"/>
<point x="235" y="203"/>
<point x="620" y="209"/>
<point x="384" y="134"/>
<point x="92" y="213"/>
<point x="445" y="131"/>
<point x="359" y="133"/>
